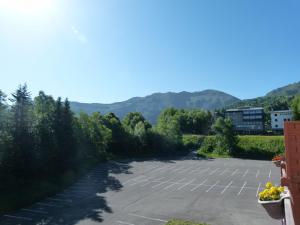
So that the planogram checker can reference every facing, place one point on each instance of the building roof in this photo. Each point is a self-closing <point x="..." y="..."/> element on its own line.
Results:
<point x="244" y="109"/>
<point x="282" y="111"/>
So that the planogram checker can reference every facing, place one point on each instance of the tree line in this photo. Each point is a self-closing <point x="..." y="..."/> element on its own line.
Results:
<point x="41" y="138"/>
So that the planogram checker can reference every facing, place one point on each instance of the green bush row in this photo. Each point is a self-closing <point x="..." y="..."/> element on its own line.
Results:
<point x="254" y="147"/>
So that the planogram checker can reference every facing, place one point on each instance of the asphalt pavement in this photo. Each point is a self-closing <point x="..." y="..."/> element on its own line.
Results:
<point x="153" y="191"/>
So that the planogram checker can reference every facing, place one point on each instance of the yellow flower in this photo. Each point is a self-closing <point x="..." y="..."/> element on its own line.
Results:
<point x="269" y="185"/>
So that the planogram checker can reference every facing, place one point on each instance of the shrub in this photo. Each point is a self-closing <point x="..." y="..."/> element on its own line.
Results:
<point x="192" y="142"/>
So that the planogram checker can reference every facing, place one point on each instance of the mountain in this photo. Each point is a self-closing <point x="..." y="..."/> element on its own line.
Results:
<point x="288" y="90"/>
<point x="150" y="106"/>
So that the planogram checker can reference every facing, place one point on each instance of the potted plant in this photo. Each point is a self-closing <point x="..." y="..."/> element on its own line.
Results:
<point x="271" y="200"/>
<point x="277" y="160"/>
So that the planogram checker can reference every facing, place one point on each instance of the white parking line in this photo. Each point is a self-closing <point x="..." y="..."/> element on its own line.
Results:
<point x="35" y="211"/>
<point x="50" y="205"/>
<point x="258" y="188"/>
<point x="246" y="172"/>
<point x="234" y="172"/>
<point x="149" y="182"/>
<point x="212" y="172"/>
<point x="193" y="189"/>
<point x="133" y="179"/>
<point x="242" y="188"/>
<point x="257" y="173"/>
<point x="223" y="172"/>
<point x="270" y="174"/>
<point x="226" y="187"/>
<point x="171" y="185"/>
<point x="212" y="186"/>
<point x="122" y="222"/>
<point x="186" y="184"/>
<point x="18" y="217"/>
<point x="161" y="183"/>
<point x="203" y="171"/>
<point x="149" y="218"/>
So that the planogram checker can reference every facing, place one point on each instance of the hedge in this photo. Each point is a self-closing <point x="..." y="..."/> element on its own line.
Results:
<point x="183" y="222"/>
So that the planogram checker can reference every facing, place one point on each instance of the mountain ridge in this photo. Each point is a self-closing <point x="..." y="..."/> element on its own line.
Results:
<point x="151" y="105"/>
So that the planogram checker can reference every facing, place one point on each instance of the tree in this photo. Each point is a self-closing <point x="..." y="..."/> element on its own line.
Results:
<point x="44" y="107"/>
<point x="226" y="138"/>
<point x="19" y="159"/>
<point x="168" y="127"/>
<point x="296" y="107"/>
<point x="132" y="119"/>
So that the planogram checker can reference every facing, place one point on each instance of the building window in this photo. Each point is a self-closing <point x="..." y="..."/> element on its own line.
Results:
<point x="284" y="119"/>
<point x="276" y="120"/>
<point x="275" y="114"/>
<point x="276" y="125"/>
<point x="289" y="119"/>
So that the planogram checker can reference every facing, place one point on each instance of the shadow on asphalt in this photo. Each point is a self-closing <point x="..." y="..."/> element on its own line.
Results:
<point x="92" y="204"/>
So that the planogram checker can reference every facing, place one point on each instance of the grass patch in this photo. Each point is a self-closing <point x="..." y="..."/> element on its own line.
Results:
<point x="248" y="146"/>
<point x="183" y="222"/>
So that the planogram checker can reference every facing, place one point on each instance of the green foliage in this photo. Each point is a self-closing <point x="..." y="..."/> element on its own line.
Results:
<point x="151" y="106"/>
<point x="183" y="222"/>
<point x="260" y="147"/>
<point x="288" y="90"/>
<point x="296" y="107"/>
<point x="226" y="140"/>
<point x="254" y="147"/>
<point x="192" y="141"/>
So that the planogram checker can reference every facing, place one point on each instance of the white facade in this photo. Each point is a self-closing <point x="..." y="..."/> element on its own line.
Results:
<point x="279" y="117"/>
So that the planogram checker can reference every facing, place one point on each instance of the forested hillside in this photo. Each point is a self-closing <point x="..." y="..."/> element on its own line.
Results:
<point x="151" y="106"/>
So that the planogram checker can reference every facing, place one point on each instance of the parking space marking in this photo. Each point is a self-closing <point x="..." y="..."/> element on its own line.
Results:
<point x="224" y="171"/>
<point x="228" y="185"/>
<point x="49" y="205"/>
<point x="149" y="182"/>
<point x="193" y="189"/>
<point x="149" y="218"/>
<point x="257" y="173"/>
<point x="171" y="185"/>
<point x="19" y="217"/>
<point x="234" y="172"/>
<point x="35" y="211"/>
<point x="258" y="188"/>
<point x="161" y="183"/>
<point x="122" y="222"/>
<point x="133" y="179"/>
<point x="246" y="173"/>
<point x="203" y="171"/>
<point x="212" y="172"/>
<point x="186" y="184"/>
<point x="212" y="186"/>
<point x="270" y="174"/>
<point x="242" y="188"/>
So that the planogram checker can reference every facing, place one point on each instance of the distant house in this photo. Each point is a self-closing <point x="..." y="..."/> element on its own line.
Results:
<point x="247" y="120"/>
<point x="279" y="117"/>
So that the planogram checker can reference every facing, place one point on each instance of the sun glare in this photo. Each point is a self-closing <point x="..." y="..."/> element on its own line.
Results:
<point x="28" y="8"/>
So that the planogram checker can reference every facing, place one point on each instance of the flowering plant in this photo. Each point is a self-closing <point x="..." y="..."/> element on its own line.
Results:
<point x="271" y="192"/>
<point x="277" y="158"/>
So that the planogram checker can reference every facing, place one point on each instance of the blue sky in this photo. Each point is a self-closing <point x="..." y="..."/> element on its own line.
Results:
<point x="107" y="51"/>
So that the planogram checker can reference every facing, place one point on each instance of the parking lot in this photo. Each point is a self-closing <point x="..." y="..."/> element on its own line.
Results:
<point x="152" y="191"/>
